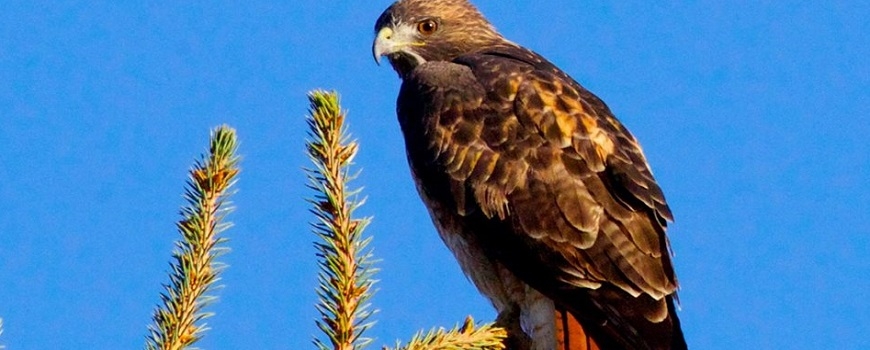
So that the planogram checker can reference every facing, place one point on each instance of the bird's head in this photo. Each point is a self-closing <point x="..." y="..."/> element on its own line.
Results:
<point x="411" y="32"/>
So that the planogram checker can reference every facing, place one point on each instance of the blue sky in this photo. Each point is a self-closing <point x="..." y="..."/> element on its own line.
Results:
<point x="752" y="114"/>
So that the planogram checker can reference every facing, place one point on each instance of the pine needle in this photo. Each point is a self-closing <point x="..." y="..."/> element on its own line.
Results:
<point x="178" y="323"/>
<point x="465" y="337"/>
<point x="345" y="277"/>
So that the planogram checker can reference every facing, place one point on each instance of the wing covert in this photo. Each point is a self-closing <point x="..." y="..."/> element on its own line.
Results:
<point x="530" y="145"/>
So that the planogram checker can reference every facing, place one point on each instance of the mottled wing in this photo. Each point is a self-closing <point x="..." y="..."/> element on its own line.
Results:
<point x="550" y="182"/>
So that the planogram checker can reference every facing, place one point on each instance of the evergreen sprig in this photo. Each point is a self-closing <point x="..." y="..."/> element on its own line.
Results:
<point x="465" y="337"/>
<point x="178" y="323"/>
<point x="345" y="262"/>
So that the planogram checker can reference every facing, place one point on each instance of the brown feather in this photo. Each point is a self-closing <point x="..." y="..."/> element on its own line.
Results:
<point x="521" y="162"/>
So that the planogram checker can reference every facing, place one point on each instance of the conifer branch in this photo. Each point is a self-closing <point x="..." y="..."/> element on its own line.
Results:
<point x="345" y="262"/>
<point x="178" y="323"/>
<point x="466" y="337"/>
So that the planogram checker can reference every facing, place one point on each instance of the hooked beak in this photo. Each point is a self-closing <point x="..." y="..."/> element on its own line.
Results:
<point x="384" y="44"/>
<point x="400" y="39"/>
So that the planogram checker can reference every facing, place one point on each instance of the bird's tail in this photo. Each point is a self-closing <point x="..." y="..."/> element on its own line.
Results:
<point x="570" y="333"/>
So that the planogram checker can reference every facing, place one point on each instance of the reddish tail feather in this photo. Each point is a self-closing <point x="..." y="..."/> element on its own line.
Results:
<point x="570" y="333"/>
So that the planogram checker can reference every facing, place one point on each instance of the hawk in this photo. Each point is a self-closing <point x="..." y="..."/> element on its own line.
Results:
<point x="545" y="199"/>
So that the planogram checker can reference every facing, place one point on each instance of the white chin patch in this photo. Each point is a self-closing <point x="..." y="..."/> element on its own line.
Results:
<point x="417" y="59"/>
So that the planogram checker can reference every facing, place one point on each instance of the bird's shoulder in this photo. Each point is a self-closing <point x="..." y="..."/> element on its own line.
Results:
<point x="514" y="104"/>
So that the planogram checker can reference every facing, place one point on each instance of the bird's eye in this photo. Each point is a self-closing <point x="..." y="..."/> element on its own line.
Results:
<point x="427" y="27"/>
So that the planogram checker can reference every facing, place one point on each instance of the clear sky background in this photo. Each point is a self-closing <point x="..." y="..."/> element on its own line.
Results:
<point x="753" y="114"/>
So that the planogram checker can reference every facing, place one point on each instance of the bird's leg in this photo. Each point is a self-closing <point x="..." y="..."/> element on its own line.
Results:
<point x="509" y="319"/>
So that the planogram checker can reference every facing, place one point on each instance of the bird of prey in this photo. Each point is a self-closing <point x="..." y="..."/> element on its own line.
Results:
<point x="545" y="199"/>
